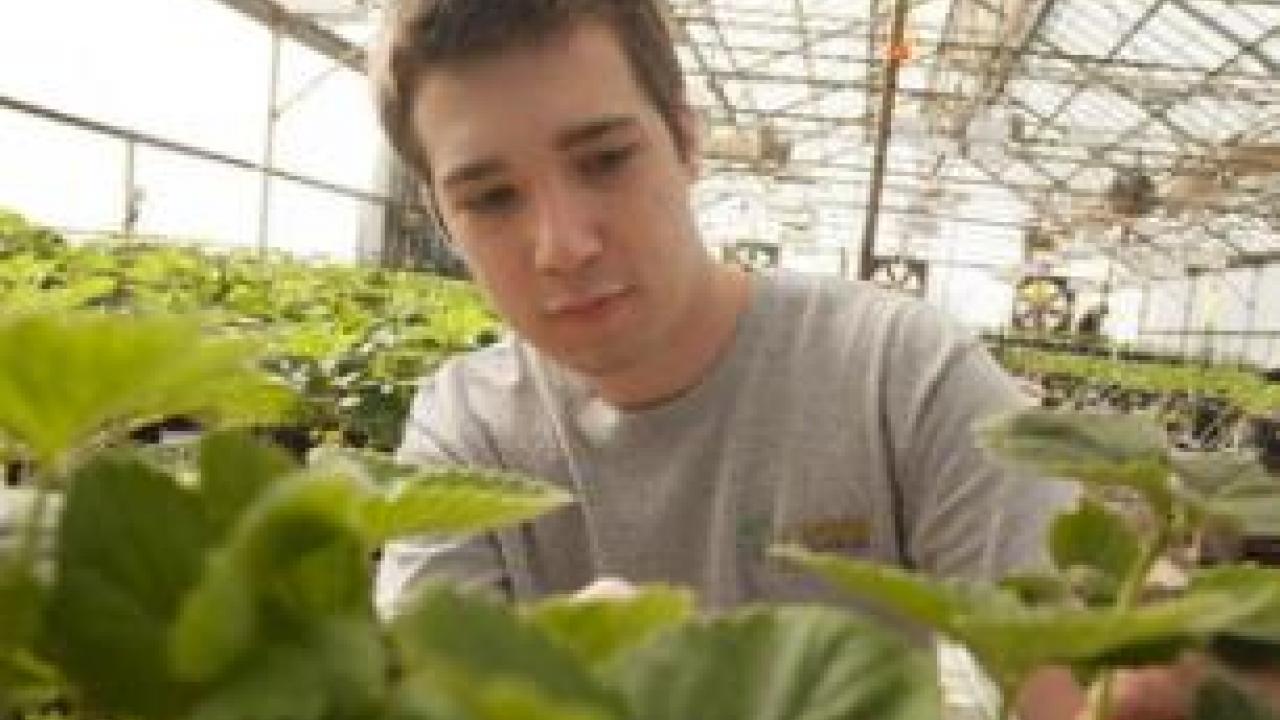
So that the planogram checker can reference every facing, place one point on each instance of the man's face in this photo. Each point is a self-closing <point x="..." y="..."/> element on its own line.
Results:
<point x="562" y="187"/>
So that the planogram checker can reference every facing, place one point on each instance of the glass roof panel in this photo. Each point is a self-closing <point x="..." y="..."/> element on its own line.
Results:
<point x="1077" y="27"/>
<point x="1041" y="97"/>
<point x="1213" y="120"/>
<point x="1187" y="38"/>
<point x="1271" y="47"/>
<point x="1246" y="22"/>
<point x="985" y="122"/>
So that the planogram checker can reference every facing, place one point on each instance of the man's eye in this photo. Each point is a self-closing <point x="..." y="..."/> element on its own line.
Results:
<point x="491" y="201"/>
<point x="606" y="162"/>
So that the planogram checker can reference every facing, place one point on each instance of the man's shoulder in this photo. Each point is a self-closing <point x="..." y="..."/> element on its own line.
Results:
<point x="465" y="410"/>
<point x="504" y="364"/>
<point x="840" y="309"/>
<point x="479" y="380"/>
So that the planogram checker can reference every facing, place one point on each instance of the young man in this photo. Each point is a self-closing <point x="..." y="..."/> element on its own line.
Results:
<point x="698" y="414"/>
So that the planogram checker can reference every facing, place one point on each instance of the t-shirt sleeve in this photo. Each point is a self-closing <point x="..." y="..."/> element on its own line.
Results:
<point x="439" y="431"/>
<point x="967" y="514"/>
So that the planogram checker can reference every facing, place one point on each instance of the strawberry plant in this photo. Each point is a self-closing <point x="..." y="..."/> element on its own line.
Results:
<point x="1243" y="389"/>
<point x="234" y="583"/>
<point x="352" y="341"/>
<point x="1089" y="611"/>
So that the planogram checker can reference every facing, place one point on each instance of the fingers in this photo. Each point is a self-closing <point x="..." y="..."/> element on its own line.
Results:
<point x="607" y="588"/>
<point x="1156" y="693"/>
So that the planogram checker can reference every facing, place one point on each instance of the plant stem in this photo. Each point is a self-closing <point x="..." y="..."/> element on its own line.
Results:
<point x="1008" y="698"/>
<point x="1100" y="694"/>
<point x="32" y="530"/>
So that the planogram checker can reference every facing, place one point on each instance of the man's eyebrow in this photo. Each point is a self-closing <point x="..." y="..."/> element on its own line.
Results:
<point x="592" y="129"/>
<point x="472" y="172"/>
<point x="566" y="139"/>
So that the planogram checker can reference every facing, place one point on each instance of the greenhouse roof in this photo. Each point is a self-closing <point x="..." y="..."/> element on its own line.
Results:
<point x="1146" y="130"/>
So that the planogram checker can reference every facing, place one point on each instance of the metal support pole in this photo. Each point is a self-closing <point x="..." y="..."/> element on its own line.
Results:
<point x="895" y="54"/>
<point x="129" y="220"/>
<point x="269" y="145"/>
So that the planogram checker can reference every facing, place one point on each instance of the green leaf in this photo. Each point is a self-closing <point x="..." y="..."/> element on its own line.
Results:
<point x="301" y="551"/>
<point x="421" y="696"/>
<point x="1233" y="487"/>
<point x="1246" y="651"/>
<point x="486" y="641"/>
<point x="23" y="676"/>
<point x="1207" y="473"/>
<point x="1220" y="699"/>
<point x="786" y="663"/>
<point x="336" y="668"/>
<point x="438" y="500"/>
<point x="67" y="379"/>
<point x="1010" y="639"/>
<point x="26" y="680"/>
<point x="234" y="470"/>
<point x="21" y="605"/>
<point x="215" y="623"/>
<point x="458" y="696"/>
<point x="1253" y="505"/>
<point x="914" y="597"/>
<point x="1038" y="589"/>
<point x="1253" y="642"/>
<point x="1163" y="650"/>
<point x="597" y="630"/>
<point x="130" y="546"/>
<point x="1128" y="450"/>
<point x="1011" y="644"/>
<point x="1092" y="536"/>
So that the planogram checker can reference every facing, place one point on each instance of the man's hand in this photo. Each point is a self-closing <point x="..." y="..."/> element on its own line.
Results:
<point x="607" y="588"/>
<point x="1050" y="694"/>
<point x="1157" y="693"/>
<point x="1169" y="692"/>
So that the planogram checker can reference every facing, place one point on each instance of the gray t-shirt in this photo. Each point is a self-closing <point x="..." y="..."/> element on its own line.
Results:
<point x="839" y="418"/>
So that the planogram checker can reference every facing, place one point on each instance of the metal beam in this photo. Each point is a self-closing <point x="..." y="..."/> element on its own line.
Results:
<point x="180" y="148"/>
<point x="1212" y="23"/>
<point x="307" y="32"/>
<point x="926" y="49"/>
<point x="1106" y="252"/>
<point x="682" y="33"/>
<point x="1208" y="79"/>
<point x="1005" y="61"/>
<point x="728" y="51"/>
<point x="1120" y="88"/>
<point x="832" y="84"/>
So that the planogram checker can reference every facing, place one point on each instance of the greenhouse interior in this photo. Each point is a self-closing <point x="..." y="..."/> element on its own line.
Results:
<point x="290" y="433"/>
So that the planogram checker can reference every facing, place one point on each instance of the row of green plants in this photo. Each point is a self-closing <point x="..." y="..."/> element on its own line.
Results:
<point x="1242" y="389"/>
<point x="229" y="582"/>
<point x="353" y="341"/>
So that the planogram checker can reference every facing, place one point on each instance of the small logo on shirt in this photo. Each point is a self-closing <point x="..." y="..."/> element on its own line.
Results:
<point x="829" y="535"/>
<point x="850" y="534"/>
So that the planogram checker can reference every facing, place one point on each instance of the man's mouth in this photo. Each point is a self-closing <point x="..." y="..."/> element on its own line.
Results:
<point x="586" y="304"/>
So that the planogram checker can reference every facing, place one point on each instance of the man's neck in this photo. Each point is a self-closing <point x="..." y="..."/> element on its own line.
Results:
<point x="707" y="338"/>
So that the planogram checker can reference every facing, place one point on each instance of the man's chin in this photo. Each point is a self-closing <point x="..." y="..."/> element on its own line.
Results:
<point x="596" y="364"/>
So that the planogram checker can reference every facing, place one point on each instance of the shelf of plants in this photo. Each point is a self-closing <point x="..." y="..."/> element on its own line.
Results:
<point x="231" y="582"/>
<point x="1204" y="407"/>
<point x="352" y="341"/>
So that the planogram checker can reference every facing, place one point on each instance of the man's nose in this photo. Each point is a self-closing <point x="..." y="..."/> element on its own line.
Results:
<point x="567" y="234"/>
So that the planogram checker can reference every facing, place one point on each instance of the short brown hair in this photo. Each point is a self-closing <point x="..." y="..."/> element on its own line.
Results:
<point x="421" y="34"/>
